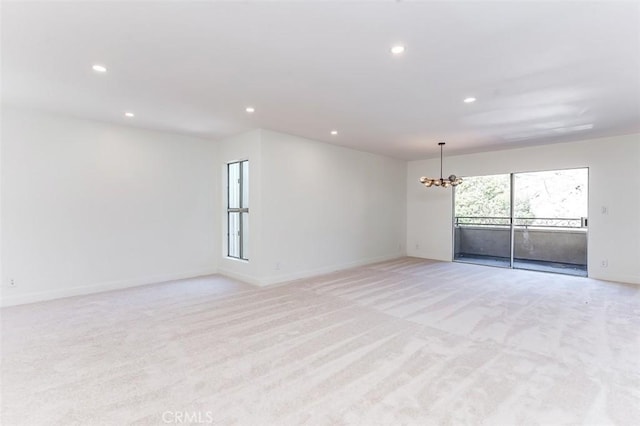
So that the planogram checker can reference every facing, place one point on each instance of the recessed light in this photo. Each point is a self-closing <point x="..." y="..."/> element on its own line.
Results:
<point x="469" y="100"/>
<point x="99" y="68"/>
<point x="397" y="49"/>
<point x="129" y="114"/>
<point x="334" y="132"/>
<point x="250" y="109"/>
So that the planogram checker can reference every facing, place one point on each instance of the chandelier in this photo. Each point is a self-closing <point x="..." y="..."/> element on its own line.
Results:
<point x="452" y="180"/>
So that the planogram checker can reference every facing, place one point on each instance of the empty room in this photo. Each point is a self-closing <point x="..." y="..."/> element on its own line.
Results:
<point x="320" y="213"/>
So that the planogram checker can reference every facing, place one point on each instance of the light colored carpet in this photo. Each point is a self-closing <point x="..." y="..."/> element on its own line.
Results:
<point x="401" y="342"/>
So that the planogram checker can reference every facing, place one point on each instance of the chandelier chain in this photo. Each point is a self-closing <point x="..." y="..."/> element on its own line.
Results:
<point x="452" y="180"/>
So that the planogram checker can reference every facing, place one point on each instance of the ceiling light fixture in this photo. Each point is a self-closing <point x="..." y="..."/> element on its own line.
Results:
<point x="250" y="109"/>
<point x="398" y="49"/>
<point x="452" y="180"/>
<point x="129" y="114"/>
<point x="469" y="100"/>
<point x="334" y="132"/>
<point x="99" y="68"/>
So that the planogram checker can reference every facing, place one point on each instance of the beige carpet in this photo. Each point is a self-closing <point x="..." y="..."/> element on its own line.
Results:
<point x="401" y="342"/>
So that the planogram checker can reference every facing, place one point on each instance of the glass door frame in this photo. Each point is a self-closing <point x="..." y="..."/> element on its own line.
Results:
<point x="512" y="225"/>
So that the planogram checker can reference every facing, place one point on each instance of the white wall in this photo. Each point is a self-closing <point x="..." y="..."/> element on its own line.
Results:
<point x="314" y="207"/>
<point x="326" y="207"/>
<point x="88" y="206"/>
<point x="614" y="182"/>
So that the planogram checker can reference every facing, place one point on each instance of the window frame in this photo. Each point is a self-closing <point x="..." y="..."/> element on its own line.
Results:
<point x="241" y="209"/>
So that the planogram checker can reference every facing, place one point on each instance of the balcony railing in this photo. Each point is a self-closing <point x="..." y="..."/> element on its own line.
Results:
<point x="540" y="222"/>
<point x="553" y="240"/>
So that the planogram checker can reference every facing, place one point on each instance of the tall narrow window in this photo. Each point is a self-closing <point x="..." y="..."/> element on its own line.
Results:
<point x="238" y="210"/>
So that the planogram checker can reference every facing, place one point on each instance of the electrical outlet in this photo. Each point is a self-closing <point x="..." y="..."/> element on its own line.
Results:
<point x="12" y="282"/>
<point x="417" y="246"/>
<point x="277" y="266"/>
<point x="604" y="263"/>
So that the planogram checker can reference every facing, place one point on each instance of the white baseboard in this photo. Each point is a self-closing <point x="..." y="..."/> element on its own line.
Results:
<point x="325" y="270"/>
<point x="619" y="278"/>
<point x="11" y="300"/>
<point x="8" y="300"/>
<point x="281" y="278"/>
<point x="247" y="279"/>
<point x="421" y="255"/>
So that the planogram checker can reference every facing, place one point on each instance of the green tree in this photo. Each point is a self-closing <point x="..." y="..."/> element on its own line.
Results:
<point x="547" y="194"/>
<point x="488" y="197"/>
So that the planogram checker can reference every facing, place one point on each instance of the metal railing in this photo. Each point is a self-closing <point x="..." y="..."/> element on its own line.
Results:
<point x="533" y="222"/>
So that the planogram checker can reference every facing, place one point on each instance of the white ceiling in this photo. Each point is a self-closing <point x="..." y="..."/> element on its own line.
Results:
<point x="543" y="72"/>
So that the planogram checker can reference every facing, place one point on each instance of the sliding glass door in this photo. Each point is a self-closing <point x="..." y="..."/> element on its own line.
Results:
<point x="482" y="230"/>
<point x="535" y="221"/>
<point x="550" y="221"/>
